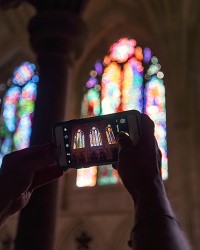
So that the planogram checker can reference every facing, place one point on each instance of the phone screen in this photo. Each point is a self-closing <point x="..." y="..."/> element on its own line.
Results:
<point x="92" y="141"/>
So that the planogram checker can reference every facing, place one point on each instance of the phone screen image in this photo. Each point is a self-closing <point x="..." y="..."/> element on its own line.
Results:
<point x="90" y="141"/>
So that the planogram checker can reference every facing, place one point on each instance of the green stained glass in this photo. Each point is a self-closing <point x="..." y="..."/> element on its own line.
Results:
<point x="107" y="175"/>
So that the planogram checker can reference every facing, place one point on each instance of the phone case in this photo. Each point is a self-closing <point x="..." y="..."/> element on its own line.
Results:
<point x="92" y="141"/>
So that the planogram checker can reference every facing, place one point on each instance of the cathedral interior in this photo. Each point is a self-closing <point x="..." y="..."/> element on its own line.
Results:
<point x="141" y="55"/>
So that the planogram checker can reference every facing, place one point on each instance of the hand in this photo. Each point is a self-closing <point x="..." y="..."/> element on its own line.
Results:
<point x="155" y="226"/>
<point x="139" y="166"/>
<point x="23" y="171"/>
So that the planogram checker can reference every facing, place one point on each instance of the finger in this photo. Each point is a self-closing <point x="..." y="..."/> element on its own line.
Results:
<point x="115" y="165"/>
<point x="124" y="140"/>
<point x="45" y="176"/>
<point x="158" y="156"/>
<point x="20" y="202"/>
<point x="147" y="133"/>
<point x="125" y="149"/>
<point x="147" y="126"/>
<point x="36" y="158"/>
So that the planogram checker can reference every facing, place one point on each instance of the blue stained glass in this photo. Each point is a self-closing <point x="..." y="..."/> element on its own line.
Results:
<point x="35" y="78"/>
<point x="18" y="109"/>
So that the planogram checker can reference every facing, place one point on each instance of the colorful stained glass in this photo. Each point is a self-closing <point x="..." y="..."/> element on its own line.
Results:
<point x="132" y="85"/>
<point x="129" y="77"/>
<point x="91" y="103"/>
<point x="107" y="175"/>
<point x="86" y="177"/>
<point x="79" y="139"/>
<point x="110" y="89"/>
<point x="122" y="50"/>
<point x="18" y="109"/>
<point x="95" y="137"/>
<point x="155" y="108"/>
<point x="110" y="135"/>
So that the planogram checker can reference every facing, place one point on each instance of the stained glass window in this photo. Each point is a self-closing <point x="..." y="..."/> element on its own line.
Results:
<point x="107" y="175"/>
<point x="128" y="77"/>
<point x="79" y="140"/>
<point x="155" y="108"/>
<point x="95" y="137"/>
<point x="110" y="135"/>
<point x="18" y="109"/>
<point x="86" y="177"/>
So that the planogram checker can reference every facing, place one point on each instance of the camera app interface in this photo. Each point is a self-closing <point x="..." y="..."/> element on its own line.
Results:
<point x="93" y="142"/>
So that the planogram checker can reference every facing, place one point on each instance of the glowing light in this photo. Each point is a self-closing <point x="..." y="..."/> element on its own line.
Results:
<point x="18" y="109"/>
<point x="110" y="135"/>
<point x="86" y="177"/>
<point x="91" y="82"/>
<point x="97" y="87"/>
<point x="110" y="94"/>
<point x="24" y="73"/>
<point x="147" y="77"/>
<point x="35" y="78"/>
<point x="95" y="137"/>
<point x="91" y="103"/>
<point x="131" y="79"/>
<point x="79" y="140"/>
<point x="153" y="69"/>
<point x="107" y="175"/>
<point x="138" y="53"/>
<point x="155" y="108"/>
<point x="160" y="75"/>
<point x="132" y="88"/>
<point x="154" y="60"/>
<point x="122" y="50"/>
<point x="147" y="55"/>
<point x="93" y="73"/>
<point x="107" y="60"/>
<point x="99" y="68"/>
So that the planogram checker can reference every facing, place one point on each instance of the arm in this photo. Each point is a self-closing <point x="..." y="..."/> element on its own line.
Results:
<point x="156" y="226"/>
<point x="5" y="202"/>
<point x="22" y="172"/>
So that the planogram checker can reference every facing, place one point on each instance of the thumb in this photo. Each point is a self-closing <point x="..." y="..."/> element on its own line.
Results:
<point x="123" y="140"/>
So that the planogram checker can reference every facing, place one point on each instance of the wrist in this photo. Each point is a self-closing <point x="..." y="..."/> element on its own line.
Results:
<point x="151" y="200"/>
<point x="149" y="189"/>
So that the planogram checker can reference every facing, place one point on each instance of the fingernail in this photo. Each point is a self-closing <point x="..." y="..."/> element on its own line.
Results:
<point x="121" y="135"/>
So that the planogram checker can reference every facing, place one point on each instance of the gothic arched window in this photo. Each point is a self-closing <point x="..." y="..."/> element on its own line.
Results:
<point x="110" y="135"/>
<point x="129" y="77"/>
<point x="79" y="139"/>
<point x="95" y="137"/>
<point x="17" y="109"/>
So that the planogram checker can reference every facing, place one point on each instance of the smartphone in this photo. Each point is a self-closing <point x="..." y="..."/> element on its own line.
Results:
<point x="92" y="141"/>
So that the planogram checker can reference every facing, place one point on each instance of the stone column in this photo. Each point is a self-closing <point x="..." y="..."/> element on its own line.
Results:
<point x="49" y="32"/>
